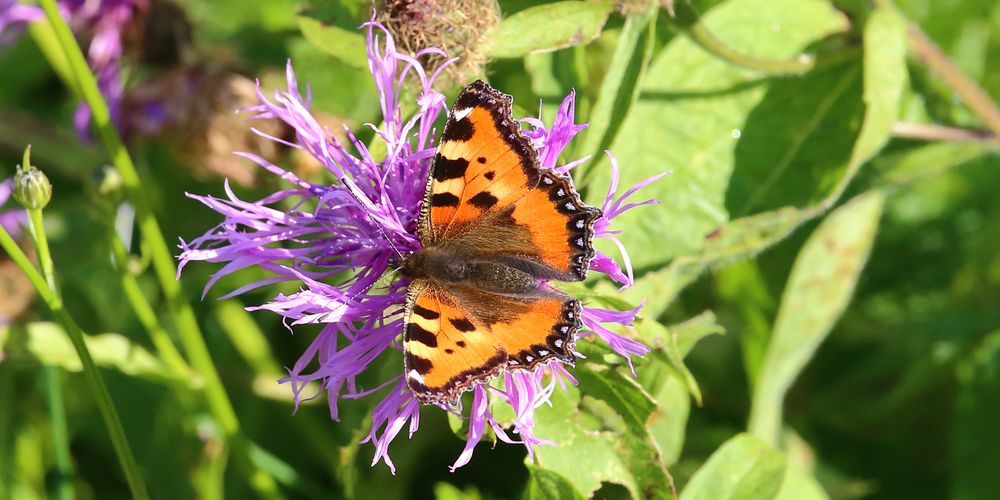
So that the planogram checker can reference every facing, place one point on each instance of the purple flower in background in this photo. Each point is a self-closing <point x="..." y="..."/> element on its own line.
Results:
<point x="11" y="220"/>
<point x="355" y="227"/>
<point x="103" y="23"/>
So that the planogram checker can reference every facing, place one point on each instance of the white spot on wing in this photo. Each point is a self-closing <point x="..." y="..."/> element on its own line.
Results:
<point x="461" y="113"/>
<point x="558" y="343"/>
<point x="570" y="206"/>
<point x="413" y="375"/>
<point x="543" y="352"/>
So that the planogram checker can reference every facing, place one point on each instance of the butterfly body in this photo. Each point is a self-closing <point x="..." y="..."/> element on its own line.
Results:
<point x="495" y="229"/>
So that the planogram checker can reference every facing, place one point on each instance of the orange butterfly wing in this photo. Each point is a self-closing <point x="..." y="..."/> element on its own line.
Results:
<point x="457" y="338"/>
<point x="486" y="175"/>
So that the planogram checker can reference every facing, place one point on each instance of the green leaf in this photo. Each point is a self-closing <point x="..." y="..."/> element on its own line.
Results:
<point x="819" y="288"/>
<point x="49" y="344"/>
<point x="743" y="467"/>
<point x="668" y="422"/>
<point x="800" y="485"/>
<point x="688" y="109"/>
<point x="620" y="86"/>
<point x="739" y="239"/>
<point x="544" y="484"/>
<point x="795" y="145"/>
<point x="601" y="435"/>
<point x="929" y="160"/>
<point x="550" y="27"/>
<point x="673" y="343"/>
<point x="348" y="46"/>
<point x="974" y="459"/>
<point x="885" y="77"/>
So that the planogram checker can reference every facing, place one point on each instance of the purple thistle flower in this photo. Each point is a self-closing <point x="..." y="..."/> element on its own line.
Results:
<point x="104" y="23"/>
<point x="356" y="227"/>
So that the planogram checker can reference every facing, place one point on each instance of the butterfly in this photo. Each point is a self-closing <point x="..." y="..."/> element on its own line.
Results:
<point x="495" y="227"/>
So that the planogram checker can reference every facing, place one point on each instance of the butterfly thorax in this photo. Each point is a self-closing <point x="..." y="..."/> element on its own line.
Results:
<point x="449" y="267"/>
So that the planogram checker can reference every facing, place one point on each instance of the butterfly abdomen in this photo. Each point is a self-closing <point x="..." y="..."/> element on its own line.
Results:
<point x="452" y="268"/>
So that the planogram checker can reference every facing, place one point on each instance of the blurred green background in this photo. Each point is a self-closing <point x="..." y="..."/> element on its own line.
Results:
<point x="854" y="373"/>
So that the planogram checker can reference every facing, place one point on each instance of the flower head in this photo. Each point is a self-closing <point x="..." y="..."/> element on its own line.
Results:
<point x="356" y="227"/>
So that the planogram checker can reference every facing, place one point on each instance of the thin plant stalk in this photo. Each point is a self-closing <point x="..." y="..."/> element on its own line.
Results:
<point x="60" y="438"/>
<point x="93" y="376"/>
<point x="144" y="311"/>
<point x="162" y="259"/>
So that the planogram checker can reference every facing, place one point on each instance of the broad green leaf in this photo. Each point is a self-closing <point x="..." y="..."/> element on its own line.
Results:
<point x="819" y="288"/>
<point x="550" y="27"/>
<point x="673" y="343"/>
<point x="690" y="109"/>
<point x="743" y="467"/>
<point x="743" y="285"/>
<point x="673" y="404"/>
<point x="796" y="143"/>
<point x="346" y="45"/>
<point x="931" y="159"/>
<point x="885" y="77"/>
<point x="602" y="436"/>
<point x="739" y="239"/>
<point x="225" y="18"/>
<point x="975" y="461"/>
<point x="49" y="344"/>
<point x="620" y="86"/>
<point x="800" y="485"/>
<point x="544" y="484"/>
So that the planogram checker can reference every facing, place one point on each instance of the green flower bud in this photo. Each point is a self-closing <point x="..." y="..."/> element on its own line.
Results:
<point x="31" y="187"/>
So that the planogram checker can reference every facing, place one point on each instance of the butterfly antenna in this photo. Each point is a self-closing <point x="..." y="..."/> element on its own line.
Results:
<point x="350" y="189"/>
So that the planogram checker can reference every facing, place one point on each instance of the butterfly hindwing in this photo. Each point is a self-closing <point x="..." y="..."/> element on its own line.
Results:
<point x="457" y="338"/>
<point x="446" y="350"/>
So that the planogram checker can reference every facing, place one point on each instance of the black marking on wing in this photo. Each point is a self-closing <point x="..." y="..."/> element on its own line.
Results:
<point x="421" y="365"/>
<point x="415" y="332"/>
<point x="462" y="324"/>
<point x="445" y="168"/>
<point x="459" y="130"/>
<point x="484" y="200"/>
<point x="444" y="200"/>
<point x="425" y="313"/>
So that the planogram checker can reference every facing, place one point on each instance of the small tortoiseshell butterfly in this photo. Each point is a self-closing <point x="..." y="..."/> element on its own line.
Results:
<point x="494" y="228"/>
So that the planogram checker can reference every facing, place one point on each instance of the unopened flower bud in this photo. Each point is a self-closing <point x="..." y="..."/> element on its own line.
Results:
<point x="31" y="187"/>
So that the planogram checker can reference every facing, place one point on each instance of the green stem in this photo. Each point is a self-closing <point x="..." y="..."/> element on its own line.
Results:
<point x="60" y="439"/>
<point x="144" y="311"/>
<point x="90" y="371"/>
<point x="57" y="412"/>
<point x="37" y="228"/>
<point x="162" y="259"/>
